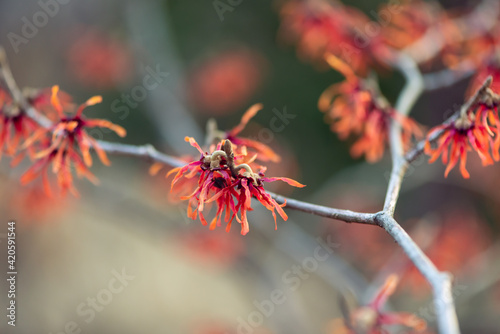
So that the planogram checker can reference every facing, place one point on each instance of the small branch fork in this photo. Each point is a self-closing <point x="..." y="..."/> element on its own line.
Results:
<point x="440" y="282"/>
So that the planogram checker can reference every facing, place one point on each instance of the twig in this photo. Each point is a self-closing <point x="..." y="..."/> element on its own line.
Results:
<point x="447" y="77"/>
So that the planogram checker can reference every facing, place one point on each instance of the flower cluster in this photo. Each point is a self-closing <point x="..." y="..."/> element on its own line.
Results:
<point x="319" y="27"/>
<point x="370" y="319"/>
<point x="355" y="108"/>
<point x="477" y="128"/>
<point x="231" y="186"/>
<point x="224" y="175"/>
<point x="66" y="144"/>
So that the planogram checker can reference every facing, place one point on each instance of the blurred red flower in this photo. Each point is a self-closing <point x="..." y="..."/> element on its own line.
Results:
<point x="226" y="81"/>
<point x="98" y="60"/>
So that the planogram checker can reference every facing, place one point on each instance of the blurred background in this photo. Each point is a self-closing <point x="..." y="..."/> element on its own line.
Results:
<point x="164" y="68"/>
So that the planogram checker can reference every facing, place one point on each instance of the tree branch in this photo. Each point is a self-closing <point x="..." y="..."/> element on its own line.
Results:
<point x="407" y="98"/>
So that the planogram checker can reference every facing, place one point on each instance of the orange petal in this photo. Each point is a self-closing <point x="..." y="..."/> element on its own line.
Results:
<point x="340" y="66"/>
<point x="102" y="123"/>
<point x="247" y="116"/>
<point x="387" y="289"/>
<point x="155" y="168"/>
<point x="54" y="100"/>
<point x="90" y="102"/>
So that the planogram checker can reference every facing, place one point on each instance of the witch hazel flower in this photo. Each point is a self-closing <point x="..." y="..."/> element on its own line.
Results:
<point x="356" y="109"/>
<point x="476" y="128"/>
<point x="229" y="185"/>
<point x="66" y="144"/>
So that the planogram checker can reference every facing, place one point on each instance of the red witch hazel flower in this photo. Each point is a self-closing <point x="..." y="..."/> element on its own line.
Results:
<point x="370" y="319"/>
<point x="230" y="186"/>
<point x="59" y="146"/>
<point x="356" y="108"/>
<point x="476" y="128"/>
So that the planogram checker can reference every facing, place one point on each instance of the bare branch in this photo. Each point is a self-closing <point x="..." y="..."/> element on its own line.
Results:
<point x="409" y="95"/>
<point x="327" y="212"/>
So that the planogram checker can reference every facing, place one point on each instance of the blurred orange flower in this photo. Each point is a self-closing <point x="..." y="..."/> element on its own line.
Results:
<point x="355" y="107"/>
